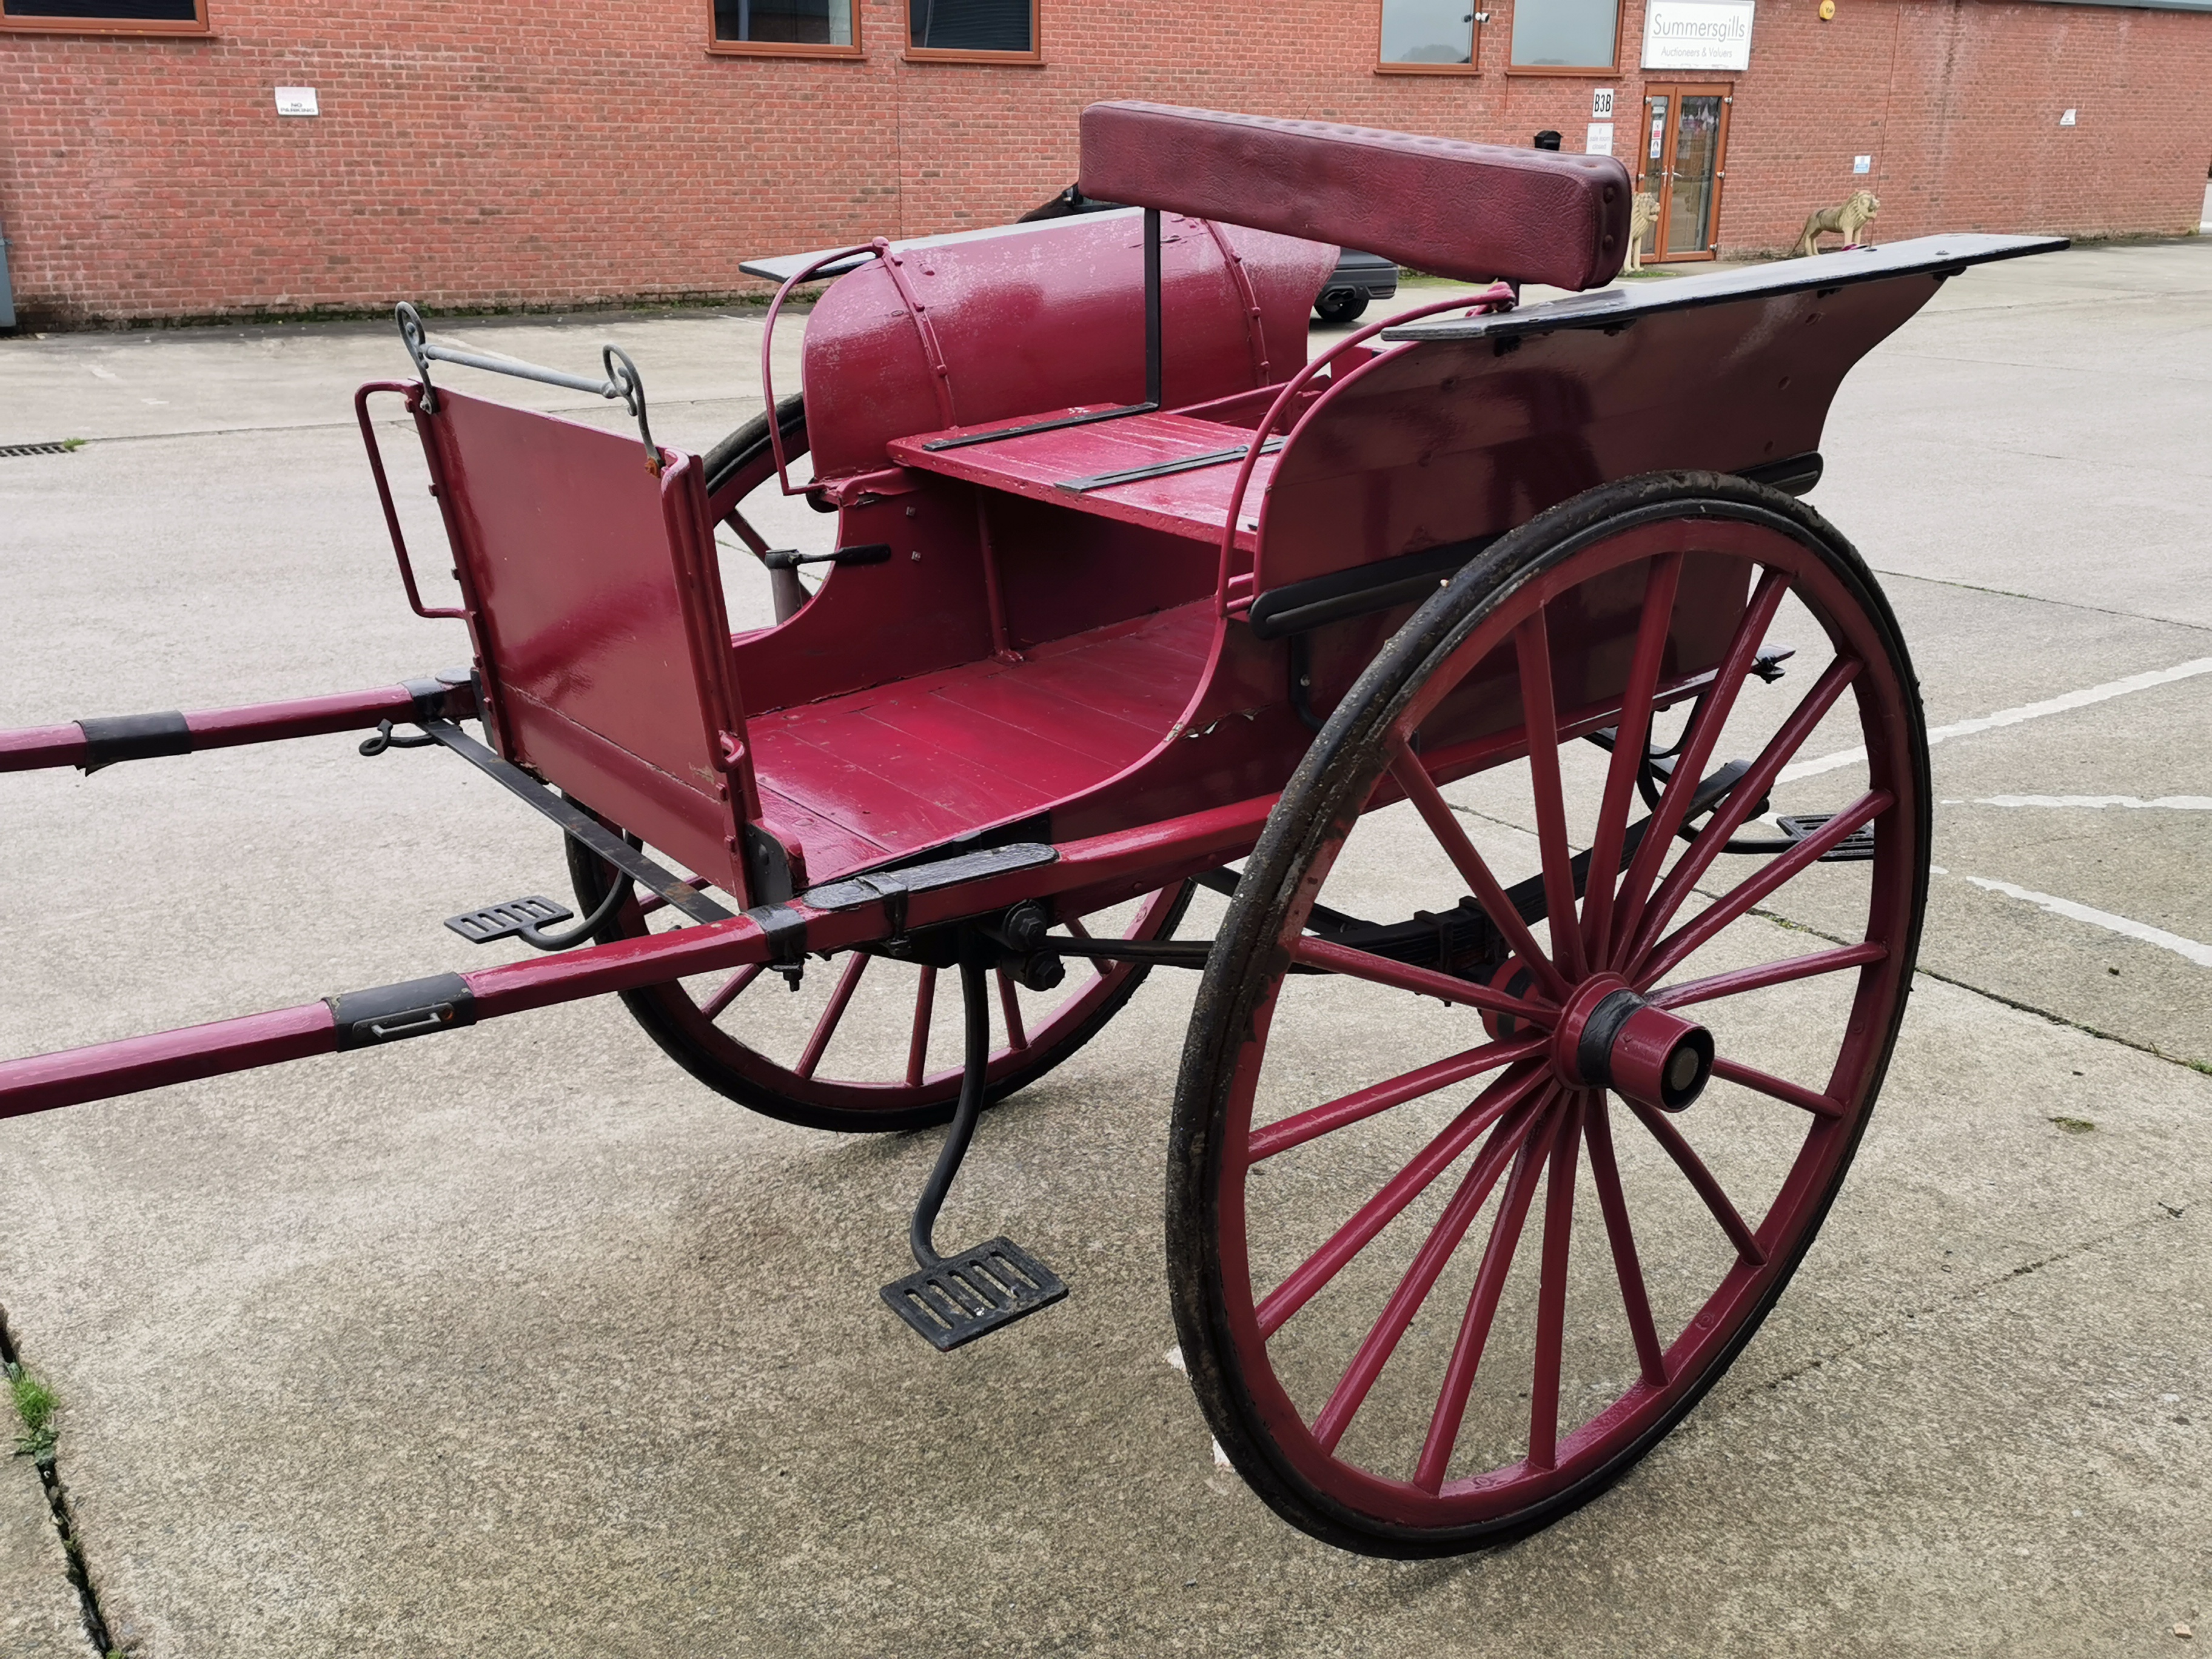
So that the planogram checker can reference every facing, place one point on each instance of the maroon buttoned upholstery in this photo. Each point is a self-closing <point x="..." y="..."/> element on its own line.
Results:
<point x="1442" y="205"/>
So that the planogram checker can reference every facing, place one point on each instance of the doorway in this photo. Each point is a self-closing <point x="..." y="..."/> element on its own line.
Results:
<point x="1685" y="152"/>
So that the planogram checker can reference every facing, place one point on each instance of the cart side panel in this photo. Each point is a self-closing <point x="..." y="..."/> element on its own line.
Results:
<point x="1444" y="440"/>
<point x="1050" y="319"/>
<point x="600" y="622"/>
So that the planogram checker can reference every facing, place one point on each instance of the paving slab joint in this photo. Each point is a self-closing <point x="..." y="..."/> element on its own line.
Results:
<point x="39" y="1444"/>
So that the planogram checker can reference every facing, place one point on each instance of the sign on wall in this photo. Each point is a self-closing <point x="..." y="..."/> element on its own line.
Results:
<point x="1697" y="35"/>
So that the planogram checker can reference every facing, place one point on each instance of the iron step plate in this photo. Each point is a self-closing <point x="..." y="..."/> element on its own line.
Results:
<point x="497" y="921"/>
<point x="966" y="1296"/>
<point x="1859" y="844"/>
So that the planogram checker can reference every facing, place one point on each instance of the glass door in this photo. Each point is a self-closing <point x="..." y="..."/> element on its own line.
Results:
<point x="1685" y="151"/>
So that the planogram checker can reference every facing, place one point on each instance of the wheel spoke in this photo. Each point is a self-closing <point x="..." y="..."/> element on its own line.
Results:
<point x="752" y="537"/>
<point x="731" y="988"/>
<point x="1697" y="749"/>
<point x="1780" y="1089"/>
<point x="1551" y="1287"/>
<point x="1437" y="1249"/>
<point x="917" y="1048"/>
<point x="1539" y="717"/>
<point x="1421" y="789"/>
<point x="1739" y="899"/>
<point x="826" y="1027"/>
<point x="1421" y="982"/>
<point x="1481" y="1310"/>
<point x="1605" y="1174"/>
<point x="1738" y="980"/>
<point x="1017" y="1038"/>
<point x="1395" y="1194"/>
<point x="1099" y="965"/>
<point x="1738" y="804"/>
<point x="1661" y="578"/>
<point x="1363" y="1104"/>
<point x="1701" y="1178"/>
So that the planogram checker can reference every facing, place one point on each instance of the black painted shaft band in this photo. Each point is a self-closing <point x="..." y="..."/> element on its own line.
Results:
<point x="1594" y="1053"/>
<point x="133" y="737"/>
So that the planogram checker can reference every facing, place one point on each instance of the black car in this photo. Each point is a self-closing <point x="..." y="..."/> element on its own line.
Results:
<point x="1358" y="278"/>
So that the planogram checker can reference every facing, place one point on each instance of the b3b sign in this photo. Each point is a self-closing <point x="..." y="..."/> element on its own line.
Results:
<point x="1697" y="35"/>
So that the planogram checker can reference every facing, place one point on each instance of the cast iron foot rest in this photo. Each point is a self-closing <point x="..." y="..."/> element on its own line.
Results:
<point x="525" y="916"/>
<point x="1859" y="844"/>
<point x="964" y="1296"/>
<point x="955" y="1299"/>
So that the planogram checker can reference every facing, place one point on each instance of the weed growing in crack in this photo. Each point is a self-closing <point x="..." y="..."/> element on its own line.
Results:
<point x="35" y="1405"/>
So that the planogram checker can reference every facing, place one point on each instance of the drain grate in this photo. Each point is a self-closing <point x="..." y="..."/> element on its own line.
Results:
<point x="60" y="446"/>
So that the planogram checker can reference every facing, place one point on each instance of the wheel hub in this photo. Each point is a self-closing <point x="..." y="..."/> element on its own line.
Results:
<point x="1610" y="1037"/>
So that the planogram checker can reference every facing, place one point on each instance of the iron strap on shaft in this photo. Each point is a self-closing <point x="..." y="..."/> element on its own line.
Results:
<point x="580" y="824"/>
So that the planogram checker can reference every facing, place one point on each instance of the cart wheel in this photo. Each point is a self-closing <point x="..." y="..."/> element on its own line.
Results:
<point x="1354" y="1161"/>
<point x="864" y="1044"/>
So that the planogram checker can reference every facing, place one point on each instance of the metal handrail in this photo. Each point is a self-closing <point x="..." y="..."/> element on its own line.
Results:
<point x="1267" y="427"/>
<point x="622" y="380"/>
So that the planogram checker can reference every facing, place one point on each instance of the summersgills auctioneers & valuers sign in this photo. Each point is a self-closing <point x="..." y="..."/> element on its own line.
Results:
<point x="1697" y="35"/>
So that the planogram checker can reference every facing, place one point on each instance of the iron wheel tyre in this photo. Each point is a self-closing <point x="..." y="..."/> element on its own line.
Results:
<point x="1673" y="1253"/>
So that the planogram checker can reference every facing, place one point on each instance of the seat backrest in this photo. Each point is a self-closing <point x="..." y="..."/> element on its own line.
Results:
<point x="1477" y="212"/>
<point x="596" y="606"/>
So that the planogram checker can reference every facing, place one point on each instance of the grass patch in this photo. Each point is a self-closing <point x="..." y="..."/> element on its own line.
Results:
<point x="35" y="1406"/>
<point x="72" y="443"/>
<point x="2074" y="1126"/>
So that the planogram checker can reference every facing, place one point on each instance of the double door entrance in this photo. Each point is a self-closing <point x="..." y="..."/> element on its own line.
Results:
<point x="1684" y="153"/>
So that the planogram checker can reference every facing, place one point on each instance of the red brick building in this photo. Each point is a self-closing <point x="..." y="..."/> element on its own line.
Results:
<point x="539" y="154"/>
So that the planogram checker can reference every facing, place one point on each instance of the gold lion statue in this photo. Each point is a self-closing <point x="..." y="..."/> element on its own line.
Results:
<point x="1847" y="221"/>
<point x="1643" y="209"/>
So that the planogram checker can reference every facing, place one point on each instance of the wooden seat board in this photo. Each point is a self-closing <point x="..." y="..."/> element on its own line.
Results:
<point x="1192" y="503"/>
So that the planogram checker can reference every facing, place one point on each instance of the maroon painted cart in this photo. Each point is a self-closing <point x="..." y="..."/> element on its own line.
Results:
<point x="1474" y="1186"/>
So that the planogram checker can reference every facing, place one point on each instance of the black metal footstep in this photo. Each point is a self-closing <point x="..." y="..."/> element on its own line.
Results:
<point x="498" y="921"/>
<point x="952" y="1299"/>
<point x="965" y="1296"/>
<point x="1859" y="844"/>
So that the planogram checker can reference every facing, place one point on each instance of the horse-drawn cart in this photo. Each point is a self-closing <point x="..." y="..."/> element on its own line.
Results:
<point x="1128" y="599"/>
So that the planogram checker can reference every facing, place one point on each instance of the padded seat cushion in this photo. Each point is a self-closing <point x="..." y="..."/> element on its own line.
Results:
<point x="1472" y="211"/>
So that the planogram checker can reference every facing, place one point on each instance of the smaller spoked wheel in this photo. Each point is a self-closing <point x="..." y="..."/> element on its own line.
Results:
<point x="1465" y="1213"/>
<point x="866" y="1043"/>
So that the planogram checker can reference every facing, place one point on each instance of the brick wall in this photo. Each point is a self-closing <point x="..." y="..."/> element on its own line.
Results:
<point x="485" y="154"/>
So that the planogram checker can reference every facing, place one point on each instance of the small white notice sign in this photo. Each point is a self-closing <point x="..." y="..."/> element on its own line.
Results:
<point x="1602" y="104"/>
<point x="296" y="100"/>
<point x="1600" y="139"/>
<point x="1697" y="35"/>
<point x="1861" y="164"/>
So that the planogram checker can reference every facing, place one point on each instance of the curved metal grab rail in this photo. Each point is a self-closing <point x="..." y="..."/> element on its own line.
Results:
<point x="1489" y="300"/>
<point x="622" y="380"/>
<point x="878" y="248"/>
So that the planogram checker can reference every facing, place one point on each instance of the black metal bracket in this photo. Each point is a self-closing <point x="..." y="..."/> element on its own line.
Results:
<point x="580" y="824"/>
<point x="896" y="885"/>
<point x="790" y="558"/>
<point x="1162" y="469"/>
<point x="414" y="1008"/>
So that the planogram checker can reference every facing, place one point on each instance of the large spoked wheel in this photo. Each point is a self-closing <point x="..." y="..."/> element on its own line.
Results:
<point x="863" y="1044"/>
<point x="1456" y="1237"/>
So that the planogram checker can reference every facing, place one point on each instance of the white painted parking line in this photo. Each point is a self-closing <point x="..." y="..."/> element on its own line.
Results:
<point x="2030" y="711"/>
<point x="2199" y="954"/>
<point x="2170" y="802"/>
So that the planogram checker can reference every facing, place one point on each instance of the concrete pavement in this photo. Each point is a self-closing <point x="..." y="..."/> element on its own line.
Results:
<point x="527" y="1344"/>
